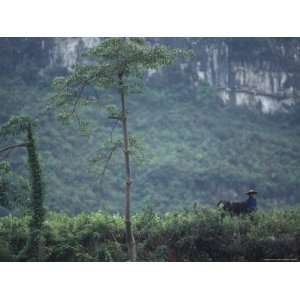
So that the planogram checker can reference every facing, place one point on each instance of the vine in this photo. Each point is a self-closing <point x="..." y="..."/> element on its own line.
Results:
<point x="14" y="127"/>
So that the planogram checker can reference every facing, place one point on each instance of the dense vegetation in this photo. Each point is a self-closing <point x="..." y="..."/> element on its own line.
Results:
<point x="18" y="126"/>
<point x="195" y="235"/>
<point x="191" y="148"/>
<point x="188" y="151"/>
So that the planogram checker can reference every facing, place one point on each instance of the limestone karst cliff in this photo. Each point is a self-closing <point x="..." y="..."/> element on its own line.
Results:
<point x="261" y="72"/>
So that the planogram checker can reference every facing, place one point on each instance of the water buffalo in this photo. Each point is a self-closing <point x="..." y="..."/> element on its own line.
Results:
<point x="235" y="208"/>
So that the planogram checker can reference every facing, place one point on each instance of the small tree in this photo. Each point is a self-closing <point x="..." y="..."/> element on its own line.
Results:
<point x="14" y="127"/>
<point x="116" y="64"/>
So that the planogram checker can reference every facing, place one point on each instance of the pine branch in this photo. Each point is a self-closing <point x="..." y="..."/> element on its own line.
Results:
<point x="13" y="147"/>
<point x="109" y="157"/>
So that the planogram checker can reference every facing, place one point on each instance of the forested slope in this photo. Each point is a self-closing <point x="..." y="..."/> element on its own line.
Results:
<point x="194" y="147"/>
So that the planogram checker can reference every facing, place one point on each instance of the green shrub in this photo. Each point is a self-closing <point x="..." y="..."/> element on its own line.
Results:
<point x="195" y="235"/>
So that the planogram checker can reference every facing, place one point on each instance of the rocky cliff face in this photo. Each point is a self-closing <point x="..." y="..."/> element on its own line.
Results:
<point x="250" y="76"/>
<point x="254" y="72"/>
<point x="66" y="51"/>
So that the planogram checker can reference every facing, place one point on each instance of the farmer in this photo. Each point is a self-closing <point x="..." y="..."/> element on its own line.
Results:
<point x="251" y="201"/>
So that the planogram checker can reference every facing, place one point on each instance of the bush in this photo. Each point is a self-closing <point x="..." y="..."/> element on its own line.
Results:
<point x="195" y="235"/>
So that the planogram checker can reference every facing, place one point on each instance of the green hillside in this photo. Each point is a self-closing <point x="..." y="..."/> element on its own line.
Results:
<point x="192" y="147"/>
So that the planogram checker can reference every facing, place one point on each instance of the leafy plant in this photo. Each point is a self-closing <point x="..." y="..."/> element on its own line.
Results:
<point x="16" y="126"/>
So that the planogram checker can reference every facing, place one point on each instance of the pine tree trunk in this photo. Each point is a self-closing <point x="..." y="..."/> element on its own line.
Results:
<point x="128" y="226"/>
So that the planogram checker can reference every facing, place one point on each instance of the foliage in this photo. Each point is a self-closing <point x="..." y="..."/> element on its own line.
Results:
<point x="189" y="235"/>
<point x="32" y="249"/>
<point x="16" y="126"/>
<point x="14" y="189"/>
<point x="90" y="82"/>
<point x="194" y="147"/>
<point x="118" y="64"/>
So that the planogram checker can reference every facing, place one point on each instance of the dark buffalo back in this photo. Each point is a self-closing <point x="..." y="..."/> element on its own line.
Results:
<point x="235" y="208"/>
